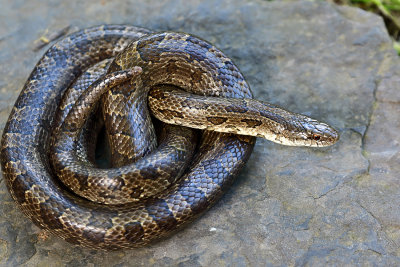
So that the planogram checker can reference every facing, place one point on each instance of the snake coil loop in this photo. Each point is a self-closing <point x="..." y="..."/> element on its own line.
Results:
<point x="149" y="197"/>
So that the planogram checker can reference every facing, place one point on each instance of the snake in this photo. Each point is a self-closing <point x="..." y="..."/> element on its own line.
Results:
<point x="161" y="176"/>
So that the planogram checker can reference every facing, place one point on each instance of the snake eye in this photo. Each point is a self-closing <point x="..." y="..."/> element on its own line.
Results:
<point x="316" y="137"/>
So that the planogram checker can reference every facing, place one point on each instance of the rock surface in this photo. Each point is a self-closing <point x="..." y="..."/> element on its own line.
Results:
<point x="290" y="206"/>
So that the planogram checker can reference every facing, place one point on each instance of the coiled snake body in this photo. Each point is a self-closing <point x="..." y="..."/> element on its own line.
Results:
<point x="36" y="147"/>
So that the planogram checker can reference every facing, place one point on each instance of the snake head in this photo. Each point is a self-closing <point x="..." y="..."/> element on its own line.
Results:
<point x="291" y="129"/>
<point x="313" y="133"/>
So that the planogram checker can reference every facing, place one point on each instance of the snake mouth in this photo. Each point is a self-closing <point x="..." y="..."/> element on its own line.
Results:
<point x="319" y="134"/>
<point x="305" y="131"/>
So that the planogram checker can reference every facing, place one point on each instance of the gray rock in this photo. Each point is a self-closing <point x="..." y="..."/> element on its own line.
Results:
<point x="290" y="206"/>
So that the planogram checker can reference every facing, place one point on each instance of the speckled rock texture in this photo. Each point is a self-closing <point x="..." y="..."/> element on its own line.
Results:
<point x="290" y="206"/>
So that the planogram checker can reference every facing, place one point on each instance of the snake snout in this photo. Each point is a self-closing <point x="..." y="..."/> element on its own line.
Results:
<point x="320" y="134"/>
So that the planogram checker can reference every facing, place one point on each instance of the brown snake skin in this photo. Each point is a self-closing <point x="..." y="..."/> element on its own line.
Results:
<point x="37" y="145"/>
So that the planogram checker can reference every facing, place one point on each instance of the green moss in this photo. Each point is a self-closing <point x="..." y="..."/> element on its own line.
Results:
<point x="396" y="46"/>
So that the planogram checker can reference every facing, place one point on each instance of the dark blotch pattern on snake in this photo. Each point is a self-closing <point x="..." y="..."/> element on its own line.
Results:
<point x="142" y="62"/>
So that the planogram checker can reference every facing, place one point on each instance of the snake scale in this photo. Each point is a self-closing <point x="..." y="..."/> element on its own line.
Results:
<point x="185" y="81"/>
